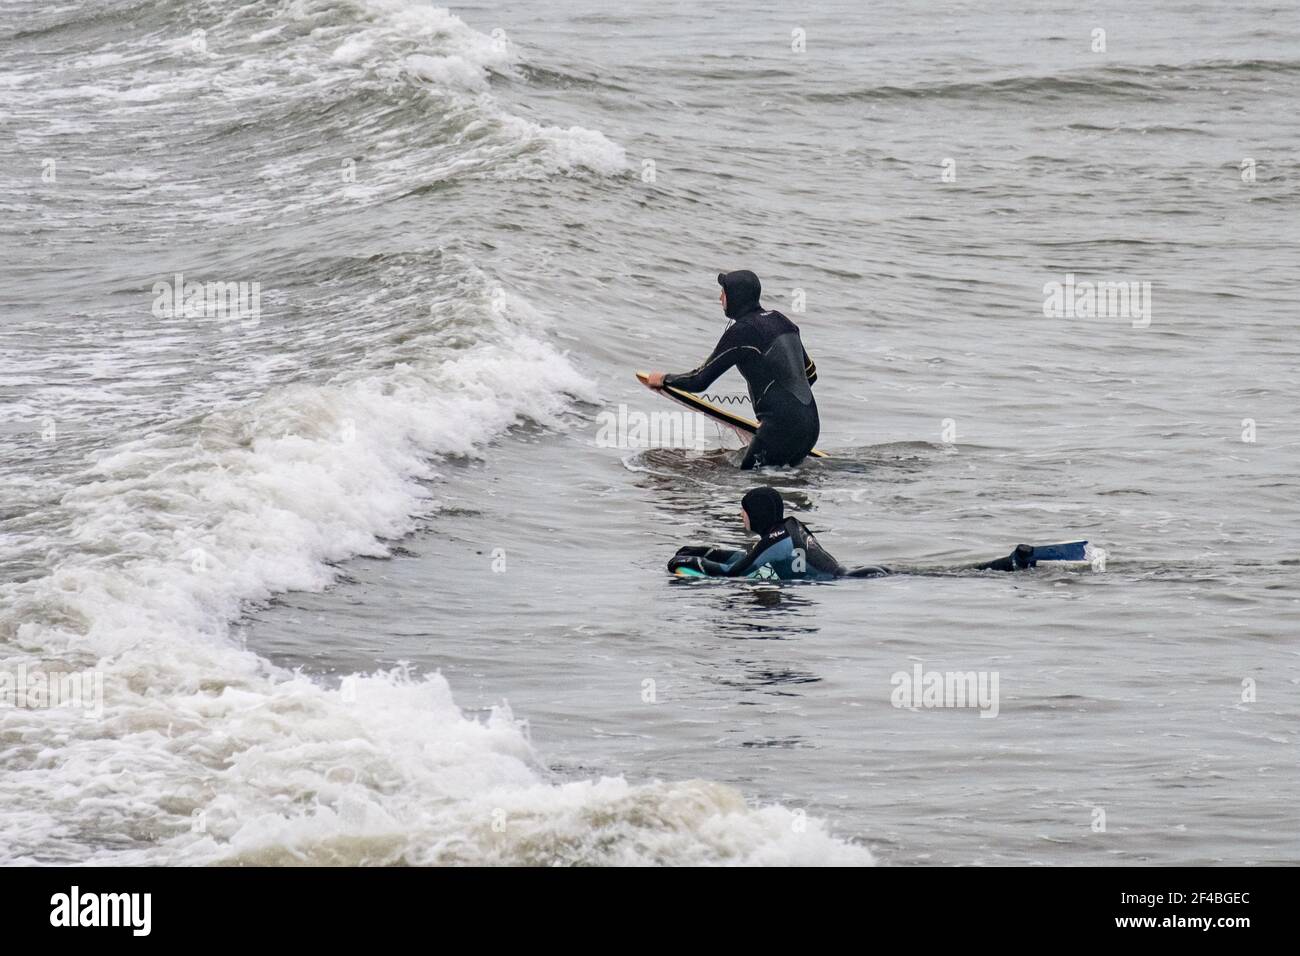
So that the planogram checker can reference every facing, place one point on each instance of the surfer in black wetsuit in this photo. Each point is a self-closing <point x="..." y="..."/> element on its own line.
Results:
<point x="787" y="550"/>
<point x="766" y="347"/>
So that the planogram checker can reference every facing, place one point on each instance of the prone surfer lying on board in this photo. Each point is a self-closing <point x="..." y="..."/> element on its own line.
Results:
<point x="787" y="550"/>
<point x="766" y="347"/>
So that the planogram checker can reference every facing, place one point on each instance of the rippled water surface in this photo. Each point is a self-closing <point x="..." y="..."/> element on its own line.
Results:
<point x="363" y="585"/>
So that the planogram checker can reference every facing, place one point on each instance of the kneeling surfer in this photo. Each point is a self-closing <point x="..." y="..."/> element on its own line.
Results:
<point x="766" y="347"/>
<point x="787" y="550"/>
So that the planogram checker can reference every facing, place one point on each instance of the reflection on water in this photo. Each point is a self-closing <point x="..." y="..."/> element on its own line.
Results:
<point x="666" y="467"/>
<point x="785" y="743"/>
<point x="765" y="612"/>
<point x="766" y="677"/>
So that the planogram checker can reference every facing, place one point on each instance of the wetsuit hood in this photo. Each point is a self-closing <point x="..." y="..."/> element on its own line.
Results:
<point x="765" y="508"/>
<point x="743" y="289"/>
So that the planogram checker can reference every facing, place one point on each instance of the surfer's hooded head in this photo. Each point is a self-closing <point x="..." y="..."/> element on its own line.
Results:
<point x="742" y="288"/>
<point x="764" y="508"/>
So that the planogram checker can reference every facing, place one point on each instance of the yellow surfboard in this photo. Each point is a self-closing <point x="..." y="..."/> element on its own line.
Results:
<point x="745" y="427"/>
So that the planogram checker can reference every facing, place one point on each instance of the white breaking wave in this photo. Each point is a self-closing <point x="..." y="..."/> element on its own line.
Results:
<point x="311" y="52"/>
<point x="463" y="67"/>
<point x="205" y="753"/>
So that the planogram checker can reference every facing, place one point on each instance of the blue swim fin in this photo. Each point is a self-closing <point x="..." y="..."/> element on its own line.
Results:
<point x="1068" y="551"/>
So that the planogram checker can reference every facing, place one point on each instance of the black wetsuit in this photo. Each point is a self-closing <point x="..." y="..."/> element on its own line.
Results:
<point x="789" y="552"/>
<point x="766" y="347"/>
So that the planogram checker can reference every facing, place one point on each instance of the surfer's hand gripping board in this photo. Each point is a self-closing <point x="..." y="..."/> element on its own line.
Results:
<point x="745" y="427"/>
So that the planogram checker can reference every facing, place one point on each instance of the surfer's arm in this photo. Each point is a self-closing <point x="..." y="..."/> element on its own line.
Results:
<point x="821" y="560"/>
<point x="817" y="559"/>
<point x="725" y="355"/>
<point x="809" y="367"/>
<point x="721" y="555"/>
<point x="714" y="562"/>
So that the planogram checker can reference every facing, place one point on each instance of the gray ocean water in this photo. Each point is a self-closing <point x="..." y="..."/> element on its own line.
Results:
<point x="361" y="581"/>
